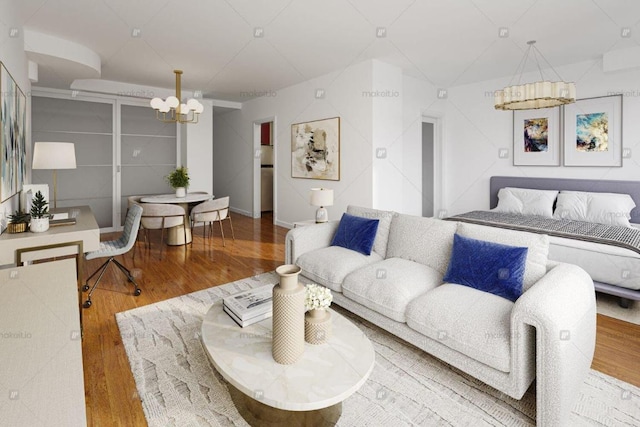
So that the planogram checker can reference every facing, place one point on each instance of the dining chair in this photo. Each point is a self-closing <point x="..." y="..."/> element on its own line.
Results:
<point x="113" y="248"/>
<point x="158" y="216"/>
<point x="134" y="200"/>
<point x="210" y="211"/>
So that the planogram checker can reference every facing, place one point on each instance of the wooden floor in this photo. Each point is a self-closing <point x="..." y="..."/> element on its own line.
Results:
<point x="111" y="397"/>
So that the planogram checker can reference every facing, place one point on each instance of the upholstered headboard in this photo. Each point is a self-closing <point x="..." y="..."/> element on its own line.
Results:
<point x="631" y="188"/>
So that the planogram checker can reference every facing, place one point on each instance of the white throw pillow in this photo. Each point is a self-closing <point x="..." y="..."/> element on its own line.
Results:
<point x="602" y="208"/>
<point x="526" y="201"/>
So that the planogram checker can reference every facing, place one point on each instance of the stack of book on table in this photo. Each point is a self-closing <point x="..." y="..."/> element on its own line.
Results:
<point x="248" y="307"/>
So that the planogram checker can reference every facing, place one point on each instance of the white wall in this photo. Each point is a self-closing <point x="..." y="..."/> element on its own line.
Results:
<point x="379" y="107"/>
<point x="475" y="131"/>
<point x="342" y="96"/>
<point x="387" y="136"/>
<point x="14" y="59"/>
<point x="197" y="151"/>
<point x="419" y="99"/>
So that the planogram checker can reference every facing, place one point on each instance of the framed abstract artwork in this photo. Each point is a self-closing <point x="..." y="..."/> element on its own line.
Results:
<point x="536" y="137"/>
<point x="13" y="144"/>
<point x="593" y="132"/>
<point x="315" y="149"/>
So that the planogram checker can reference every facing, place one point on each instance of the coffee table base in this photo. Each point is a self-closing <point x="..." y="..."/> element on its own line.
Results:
<point x="257" y="413"/>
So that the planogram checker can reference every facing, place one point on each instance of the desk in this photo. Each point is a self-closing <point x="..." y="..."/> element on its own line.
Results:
<point x="175" y="236"/>
<point x="41" y="374"/>
<point x="85" y="229"/>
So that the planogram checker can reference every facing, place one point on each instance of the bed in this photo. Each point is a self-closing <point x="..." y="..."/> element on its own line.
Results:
<point x="614" y="269"/>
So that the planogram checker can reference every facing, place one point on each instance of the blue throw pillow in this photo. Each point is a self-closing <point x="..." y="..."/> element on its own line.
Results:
<point x="356" y="233"/>
<point x="487" y="266"/>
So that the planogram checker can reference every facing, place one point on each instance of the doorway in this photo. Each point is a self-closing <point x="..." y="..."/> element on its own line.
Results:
<point x="431" y="163"/>
<point x="264" y="189"/>
<point x="427" y="169"/>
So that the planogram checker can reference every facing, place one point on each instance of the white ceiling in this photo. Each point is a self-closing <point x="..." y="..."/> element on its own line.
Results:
<point x="447" y="42"/>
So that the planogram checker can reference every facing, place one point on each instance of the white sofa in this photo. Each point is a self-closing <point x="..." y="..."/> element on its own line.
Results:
<point x="548" y="333"/>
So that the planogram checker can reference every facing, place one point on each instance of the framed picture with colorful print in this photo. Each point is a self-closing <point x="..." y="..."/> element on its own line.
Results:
<point x="536" y="137"/>
<point x="13" y="144"/>
<point x="593" y="132"/>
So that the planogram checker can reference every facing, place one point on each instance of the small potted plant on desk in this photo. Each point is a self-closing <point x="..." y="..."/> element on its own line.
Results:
<point x="39" y="214"/>
<point x="179" y="180"/>
<point x="18" y="222"/>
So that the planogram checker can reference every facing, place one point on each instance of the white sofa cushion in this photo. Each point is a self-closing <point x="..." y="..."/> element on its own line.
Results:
<point x="475" y="323"/>
<point x="384" y="223"/>
<point x="425" y="240"/>
<point x="329" y="266"/>
<point x="537" y="245"/>
<point x="389" y="286"/>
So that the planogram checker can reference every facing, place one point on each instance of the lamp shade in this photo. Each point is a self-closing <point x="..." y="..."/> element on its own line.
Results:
<point x="54" y="155"/>
<point x="321" y="197"/>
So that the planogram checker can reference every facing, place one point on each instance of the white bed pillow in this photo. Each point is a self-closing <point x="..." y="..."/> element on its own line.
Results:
<point x="602" y="208"/>
<point x="526" y="201"/>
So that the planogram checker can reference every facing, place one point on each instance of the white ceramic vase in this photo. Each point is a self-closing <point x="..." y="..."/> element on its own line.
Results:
<point x="38" y="225"/>
<point x="317" y="326"/>
<point x="288" y="316"/>
<point x="181" y="192"/>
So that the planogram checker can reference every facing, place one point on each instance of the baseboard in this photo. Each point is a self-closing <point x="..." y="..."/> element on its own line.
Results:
<point x="241" y="211"/>
<point x="284" y="224"/>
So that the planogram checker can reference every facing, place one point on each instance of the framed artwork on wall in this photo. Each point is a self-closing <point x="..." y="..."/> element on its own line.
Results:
<point x="315" y="149"/>
<point x="13" y="145"/>
<point x="536" y="137"/>
<point x="593" y="132"/>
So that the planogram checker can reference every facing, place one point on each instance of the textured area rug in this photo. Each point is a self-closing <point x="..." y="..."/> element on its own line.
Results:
<point x="179" y="387"/>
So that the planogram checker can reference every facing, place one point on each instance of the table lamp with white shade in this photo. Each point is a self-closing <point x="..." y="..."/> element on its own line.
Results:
<point x="54" y="155"/>
<point x="321" y="197"/>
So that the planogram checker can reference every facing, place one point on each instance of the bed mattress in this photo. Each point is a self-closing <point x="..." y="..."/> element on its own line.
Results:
<point x="608" y="264"/>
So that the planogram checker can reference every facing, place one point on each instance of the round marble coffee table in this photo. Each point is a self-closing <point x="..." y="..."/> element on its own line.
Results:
<point x="309" y="392"/>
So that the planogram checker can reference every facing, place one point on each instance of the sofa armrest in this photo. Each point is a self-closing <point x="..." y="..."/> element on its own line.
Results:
<point x="561" y="307"/>
<point x="304" y="239"/>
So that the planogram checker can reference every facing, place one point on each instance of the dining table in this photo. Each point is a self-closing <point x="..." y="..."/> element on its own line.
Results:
<point x="175" y="235"/>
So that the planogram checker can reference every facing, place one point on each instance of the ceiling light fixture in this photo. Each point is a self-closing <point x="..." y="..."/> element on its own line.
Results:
<point x="173" y="110"/>
<point x="542" y="94"/>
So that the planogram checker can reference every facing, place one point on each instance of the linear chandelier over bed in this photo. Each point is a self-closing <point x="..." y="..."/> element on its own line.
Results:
<point x="541" y="94"/>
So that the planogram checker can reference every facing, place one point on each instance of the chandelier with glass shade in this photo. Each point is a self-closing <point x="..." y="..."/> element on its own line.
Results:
<point x="173" y="110"/>
<point x="540" y="94"/>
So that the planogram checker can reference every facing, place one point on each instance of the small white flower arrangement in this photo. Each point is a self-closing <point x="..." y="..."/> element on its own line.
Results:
<point x="317" y="297"/>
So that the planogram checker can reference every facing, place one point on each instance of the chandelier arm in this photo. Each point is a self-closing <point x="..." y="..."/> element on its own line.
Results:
<point x="549" y="65"/>
<point x="535" y="56"/>
<point x="520" y="67"/>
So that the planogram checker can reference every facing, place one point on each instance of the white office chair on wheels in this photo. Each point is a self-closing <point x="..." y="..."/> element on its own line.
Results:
<point x="114" y="248"/>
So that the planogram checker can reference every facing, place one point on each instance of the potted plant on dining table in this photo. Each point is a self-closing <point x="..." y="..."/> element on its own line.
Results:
<point x="179" y="180"/>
